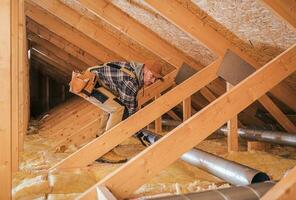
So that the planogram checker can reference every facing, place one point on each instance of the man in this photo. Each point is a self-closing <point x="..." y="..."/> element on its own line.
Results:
<point x="118" y="86"/>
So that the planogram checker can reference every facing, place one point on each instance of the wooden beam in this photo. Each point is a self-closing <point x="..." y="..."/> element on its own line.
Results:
<point x="127" y="128"/>
<point x="173" y="115"/>
<point x="15" y="83"/>
<point x="232" y="137"/>
<point x="198" y="29"/>
<point x="86" y="26"/>
<point x="208" y="94"/>
<point x="55" y="58"/>
<point x="62" y="43"/>
<point x="277" y="114"/>
<point x="58" y="64"/>
<point x="112" y="15"/>
<point x="186" y="108"/>
<point x="283" y="190"/>
<point x="8" y="10"/>
<point x="155" y="158"/>
<point x="158" y="121"/>
<point x="58" y="52"/>
<point x="284" y="9"/>
<point x="66" y="32"/>
<point x="24" y="108"/>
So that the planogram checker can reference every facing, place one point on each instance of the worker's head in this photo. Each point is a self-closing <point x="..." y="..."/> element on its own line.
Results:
<point x="152" y="72"/>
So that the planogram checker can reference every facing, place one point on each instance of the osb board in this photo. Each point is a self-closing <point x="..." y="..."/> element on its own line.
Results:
<point x="146" y="15"/>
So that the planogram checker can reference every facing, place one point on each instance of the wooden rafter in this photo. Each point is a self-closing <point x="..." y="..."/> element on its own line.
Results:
<point x="86" y="26"/>
<point x="56" y="26"/>
<point x="285" y="9"/>
<point x="57" y="51"/>
<point x="209" y="37"/>
<point x="41" y="56"/>
<point x="62" y="43"/>
<point x="156" y="157"/>
<point x="138" y="32"/>
<point x="127" y="128"/>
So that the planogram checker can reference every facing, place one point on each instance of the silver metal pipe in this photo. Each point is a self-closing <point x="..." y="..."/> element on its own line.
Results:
<point x="274" y="137"/>
<point x="250" y="192"/>
<point x="231" y="172"/>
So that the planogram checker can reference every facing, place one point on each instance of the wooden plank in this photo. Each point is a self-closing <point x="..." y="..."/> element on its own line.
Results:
<point x="127" y="128"/>
<point x="23" y="77"/>
<point x="62" y="43"/>
<point x="86" y="26"/>
<point x="186" y="108"/>
<point x="144" y="36"/>
<point x="67" y="120"/>
<point x="284" y="121"/>
<point x="74" y="37"/>
<point x="104" y="194"/>
<point x="174" y="12"/>
<point x="82" y="135"/>
<point x="54" y="58"/>
<point x="155" y="158"/>
<point x="58" y="52"/>
<point x="283" y="190"/>
<point x="232" y="137"/>
<point x="52" y="62"/>
<point x="208" y="94"/>
<point x="5" y="99"/>
<point x="158" y="121"/>
<point x="284" y="9"/>
<point x="14" y="83"/>
<point x="173" y="115"/>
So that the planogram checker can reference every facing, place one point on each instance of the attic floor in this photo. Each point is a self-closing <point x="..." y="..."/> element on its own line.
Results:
<point x="33" y="182"/>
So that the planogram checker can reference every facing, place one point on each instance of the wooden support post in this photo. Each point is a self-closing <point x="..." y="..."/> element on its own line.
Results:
<point x="23" y="77"/>
<point x="232" y="137"/>
<point x="9" y="102"/>
<point x="158" y="123"/>
<point x="158" y="156"/>
<point x="186" y="108"/>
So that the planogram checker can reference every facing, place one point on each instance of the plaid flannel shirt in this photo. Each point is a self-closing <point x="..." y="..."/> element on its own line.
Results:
<point x="121" y="83"/>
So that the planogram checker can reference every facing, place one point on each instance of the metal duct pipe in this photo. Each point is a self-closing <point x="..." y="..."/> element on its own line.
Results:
<point x="231" y="172"/>
<point x="275" y="137"/>
<point x="250" y="192"/>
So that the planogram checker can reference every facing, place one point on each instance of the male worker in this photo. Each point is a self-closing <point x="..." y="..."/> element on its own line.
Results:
<point x="118" y="84"/>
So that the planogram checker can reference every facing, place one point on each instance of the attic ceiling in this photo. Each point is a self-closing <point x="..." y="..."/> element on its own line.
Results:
<point x="248" y="25"/>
